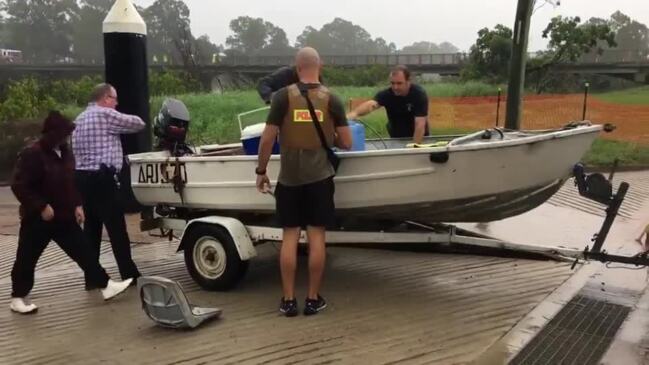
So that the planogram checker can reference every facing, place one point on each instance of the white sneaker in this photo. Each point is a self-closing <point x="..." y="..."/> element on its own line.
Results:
<point x="22" y="306"/>
<point x="115" y="288"/>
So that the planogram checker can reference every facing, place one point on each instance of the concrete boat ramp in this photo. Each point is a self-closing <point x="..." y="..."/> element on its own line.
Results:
<point x="386" y="306"/>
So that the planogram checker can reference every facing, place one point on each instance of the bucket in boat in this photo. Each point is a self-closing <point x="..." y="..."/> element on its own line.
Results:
<point x="250" y="137"/>
<point x="358" y="135"/>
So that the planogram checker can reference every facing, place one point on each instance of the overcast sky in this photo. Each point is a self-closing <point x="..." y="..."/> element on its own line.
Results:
<point x="402" y="22"/>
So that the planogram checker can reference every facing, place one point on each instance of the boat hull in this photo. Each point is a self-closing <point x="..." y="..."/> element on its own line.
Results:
<point x="473" y="182"/>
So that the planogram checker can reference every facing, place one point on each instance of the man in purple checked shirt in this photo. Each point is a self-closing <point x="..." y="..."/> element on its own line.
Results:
<point x="99" y="159"/>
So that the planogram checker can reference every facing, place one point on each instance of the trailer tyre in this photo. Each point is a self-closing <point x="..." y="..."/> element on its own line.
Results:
<point x="212" y="259"/>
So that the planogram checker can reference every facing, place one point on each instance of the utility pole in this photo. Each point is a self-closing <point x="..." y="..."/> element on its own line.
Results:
<point x="517" y="67"/>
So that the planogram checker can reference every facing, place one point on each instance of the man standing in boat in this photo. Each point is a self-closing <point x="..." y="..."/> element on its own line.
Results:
<point x="281" y="78"/>
<point x="405" y="103"/>
<point x="305" y="188"/>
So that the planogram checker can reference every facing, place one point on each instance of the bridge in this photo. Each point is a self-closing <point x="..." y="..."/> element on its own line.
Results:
<point x="629" y="64"/>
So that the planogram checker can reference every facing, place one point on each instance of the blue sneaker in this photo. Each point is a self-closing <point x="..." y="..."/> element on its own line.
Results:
<point x="288" y="307"/>
<point x="313" y="306"/>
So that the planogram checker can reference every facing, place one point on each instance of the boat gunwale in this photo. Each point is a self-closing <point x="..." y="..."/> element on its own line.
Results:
<point x="541" y="137"/>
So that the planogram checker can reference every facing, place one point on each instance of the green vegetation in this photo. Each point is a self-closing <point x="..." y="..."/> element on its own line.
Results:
<point x="442" y="89"/>
<point x="636" y="96"/>
<point x="31" y="97"/>
<point x="604" y="153"/>
<point x="214" y="116"/>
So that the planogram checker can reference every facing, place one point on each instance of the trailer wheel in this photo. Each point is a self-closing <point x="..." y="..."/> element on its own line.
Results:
<point x="212" y="259"/>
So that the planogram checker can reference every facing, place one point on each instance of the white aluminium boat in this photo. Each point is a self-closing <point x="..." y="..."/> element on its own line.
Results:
<point x="484" y="176"/>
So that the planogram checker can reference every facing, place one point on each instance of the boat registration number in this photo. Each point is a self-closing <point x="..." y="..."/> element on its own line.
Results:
<point x="161" y="173"/>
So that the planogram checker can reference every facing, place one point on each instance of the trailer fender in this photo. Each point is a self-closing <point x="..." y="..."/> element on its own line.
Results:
<point x="235" y="228"/>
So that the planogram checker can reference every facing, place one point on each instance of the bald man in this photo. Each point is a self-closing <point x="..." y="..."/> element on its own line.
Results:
<point x="305" y="188"/>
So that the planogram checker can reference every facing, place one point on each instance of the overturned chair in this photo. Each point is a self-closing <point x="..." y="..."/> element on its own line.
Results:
<point x="165" y="303"/>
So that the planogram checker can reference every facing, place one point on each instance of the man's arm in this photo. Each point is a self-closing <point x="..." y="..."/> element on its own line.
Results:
<point x="421" y="116"/>
<point x="363" y="109"/>
<point x="268" y="138"/>
<point x="278" y="110"/>
<point x="26" y="175"/>
<point x="120" y="123"/>
<point x="280" y="78"/>
<point x="420" y="129"/>
<point x="343" y="137"/>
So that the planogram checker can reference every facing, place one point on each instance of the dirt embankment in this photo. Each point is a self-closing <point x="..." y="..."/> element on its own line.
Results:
<point x="541" y="112"/>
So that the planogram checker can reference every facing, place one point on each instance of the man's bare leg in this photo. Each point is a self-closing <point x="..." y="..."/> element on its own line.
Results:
<point x="288" y="260"/>
<point x="317" y="256"/>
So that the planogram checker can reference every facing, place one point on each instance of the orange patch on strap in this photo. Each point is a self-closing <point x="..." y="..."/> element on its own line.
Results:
<point x="303" y="116"/>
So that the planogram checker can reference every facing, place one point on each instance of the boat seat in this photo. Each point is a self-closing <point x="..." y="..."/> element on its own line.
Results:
<point x="164" y="301"/>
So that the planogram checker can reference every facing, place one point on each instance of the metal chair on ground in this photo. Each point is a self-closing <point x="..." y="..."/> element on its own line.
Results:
<point x="165" y="303"/>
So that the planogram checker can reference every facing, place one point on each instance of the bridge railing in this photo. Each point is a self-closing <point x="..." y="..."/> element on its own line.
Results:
<point x="616" y="56"/>
<point x="353" y="60"/>
<point x="611" y="56"/>
<point x="440" y="59"/>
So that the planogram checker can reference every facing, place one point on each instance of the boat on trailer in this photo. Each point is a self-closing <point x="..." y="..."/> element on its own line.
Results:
<point x="483" y="176"/>
<point x="387" y="192"/>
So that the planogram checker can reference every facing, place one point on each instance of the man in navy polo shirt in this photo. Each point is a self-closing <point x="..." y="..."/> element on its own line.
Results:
<point x="406" y="105"/>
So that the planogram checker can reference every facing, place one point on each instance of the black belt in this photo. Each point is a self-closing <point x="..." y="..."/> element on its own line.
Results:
<point x="104" y="172"/>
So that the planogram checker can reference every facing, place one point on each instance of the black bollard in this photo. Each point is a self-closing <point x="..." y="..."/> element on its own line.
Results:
<point x="498" y="107"/>
<point x="586" y="86"/>
<point x="127" y="70"/>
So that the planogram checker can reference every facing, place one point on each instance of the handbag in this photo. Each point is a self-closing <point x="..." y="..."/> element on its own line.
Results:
<point x="334" y="160"/>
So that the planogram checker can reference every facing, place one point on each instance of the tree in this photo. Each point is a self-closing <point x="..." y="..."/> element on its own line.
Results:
<point x="4" y="32"/>
<point x="381" y="46"/>
<point x="569" y="40"/>
<point x="425" y="47"/>
<point x="313" y="38"/>
<point x="342" y="37"/>
<point x="630" y="35"/>
<point x="41" y="28"/>
<point x="489" y="57"/>
<point x="255" y="36"/>
<point x="448" y="47"/>
<point x="87" y="31"/>
<point x="422" y="47"/>
<point x="168" y="28"/>
<point x="206" y="51"/>
<point x="250" y="35"/>
<point x="277" y="44"/>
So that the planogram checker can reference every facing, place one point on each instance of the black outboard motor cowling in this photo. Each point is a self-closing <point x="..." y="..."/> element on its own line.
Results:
<point x="171" y="126"/>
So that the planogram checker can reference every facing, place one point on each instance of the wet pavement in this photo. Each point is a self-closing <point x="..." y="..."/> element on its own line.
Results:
<point x="385" y="306"/>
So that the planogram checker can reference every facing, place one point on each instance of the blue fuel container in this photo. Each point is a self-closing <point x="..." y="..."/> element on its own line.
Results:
<point x="358" y="135"/>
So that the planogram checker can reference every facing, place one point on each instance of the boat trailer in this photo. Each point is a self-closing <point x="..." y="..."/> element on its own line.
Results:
<point x="217" y="248"/>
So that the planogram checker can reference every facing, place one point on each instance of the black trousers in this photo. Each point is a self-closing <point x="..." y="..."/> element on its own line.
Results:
<point x="35" y="235"/>
<point x="102" y="206"/>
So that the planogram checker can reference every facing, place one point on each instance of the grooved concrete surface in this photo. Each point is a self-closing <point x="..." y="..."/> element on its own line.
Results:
<point x="385" y="307"/>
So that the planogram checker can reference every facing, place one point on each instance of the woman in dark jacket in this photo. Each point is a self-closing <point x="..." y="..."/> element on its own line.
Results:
<point x="50" y="209"/>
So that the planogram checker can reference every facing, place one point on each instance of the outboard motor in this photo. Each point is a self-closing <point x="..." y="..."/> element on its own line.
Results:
<point x="170" y="127"/>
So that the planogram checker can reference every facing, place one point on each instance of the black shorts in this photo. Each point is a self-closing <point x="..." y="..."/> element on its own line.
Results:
<point x="306" y="205"/>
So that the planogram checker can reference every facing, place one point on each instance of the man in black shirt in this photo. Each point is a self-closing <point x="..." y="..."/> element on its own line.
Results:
<point x="281" y="78"/>
<point x="405" y="103"/>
